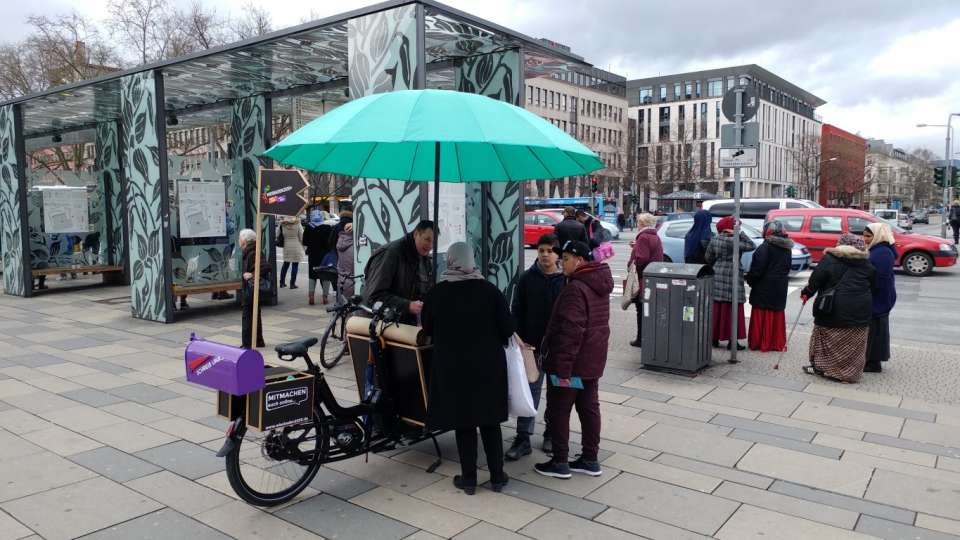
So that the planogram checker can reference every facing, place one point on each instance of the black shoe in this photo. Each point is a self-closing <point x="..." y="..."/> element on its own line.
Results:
<point x="739" y="346"/>
<point x="519" y="448"/>
<point x="583" y="466"/>
<point x="292" y="286"/>
<point x="635" y="343"/>
<point x="458" y="483"/>
<point x="554" y="470"/>
<point x="283" y="285"/>
<point x="500" y="483"/>
<point x="184" y="306"/>
<point x="716" y="344"/>
<point x="547" y="446"/>
<point x="872" y="369"/>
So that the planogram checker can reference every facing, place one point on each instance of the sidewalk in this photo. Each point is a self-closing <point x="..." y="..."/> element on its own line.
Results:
<point x="100" y="436"/>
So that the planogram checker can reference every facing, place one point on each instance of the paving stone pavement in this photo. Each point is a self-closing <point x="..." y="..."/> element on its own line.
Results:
<point x="100" y="437"/>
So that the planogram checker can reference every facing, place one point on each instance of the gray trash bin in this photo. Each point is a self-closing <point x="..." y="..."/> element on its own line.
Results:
<point x="677" y="312"/>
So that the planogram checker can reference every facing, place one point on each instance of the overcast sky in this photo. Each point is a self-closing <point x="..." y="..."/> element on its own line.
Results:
<point x="882" y="66"/>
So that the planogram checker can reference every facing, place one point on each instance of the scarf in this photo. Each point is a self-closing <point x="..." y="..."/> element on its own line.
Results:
<point x="881" y="233"/>
<point x="697" y="234"/>
<point x="460" y="264"/>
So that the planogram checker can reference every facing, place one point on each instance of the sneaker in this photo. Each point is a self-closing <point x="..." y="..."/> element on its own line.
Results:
<point x="547" y="446"/>
<point x="519" y="448"/>
<point x="582" y="466"/>
<point x="555" y="470"/>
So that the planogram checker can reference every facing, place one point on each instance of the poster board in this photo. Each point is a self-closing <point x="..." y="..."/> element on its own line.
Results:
<point x="453" y="214"/>
<point x="203" y="210"/>
<point x="66" y="210"/>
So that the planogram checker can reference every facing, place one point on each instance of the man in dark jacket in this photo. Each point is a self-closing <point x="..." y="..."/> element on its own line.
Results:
<point x="570" y="228"/>
<point x="537" y="290"/>
<point x="954" y="218"/>
<point x="576" y="354"/>
<point x="399" y="274"/>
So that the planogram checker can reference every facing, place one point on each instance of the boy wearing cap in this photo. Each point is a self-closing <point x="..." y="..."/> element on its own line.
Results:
<point x="574" y="358"/>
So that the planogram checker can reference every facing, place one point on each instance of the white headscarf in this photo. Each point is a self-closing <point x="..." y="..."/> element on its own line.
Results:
<point x="881" y="233"/>
<point x="460" y="264"/>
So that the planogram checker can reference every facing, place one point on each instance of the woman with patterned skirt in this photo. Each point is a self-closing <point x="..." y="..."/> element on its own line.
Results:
<point x="843" y="282"/>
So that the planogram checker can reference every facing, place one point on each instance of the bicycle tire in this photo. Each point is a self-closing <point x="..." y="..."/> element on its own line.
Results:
<point x="241" y="486"/>
<point x="329" y="362"/>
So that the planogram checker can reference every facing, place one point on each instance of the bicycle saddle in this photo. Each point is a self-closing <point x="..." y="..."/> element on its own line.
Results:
<point x="296" y="348"/>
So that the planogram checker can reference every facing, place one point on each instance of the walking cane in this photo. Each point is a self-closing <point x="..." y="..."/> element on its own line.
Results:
<point x="790" y="337"/>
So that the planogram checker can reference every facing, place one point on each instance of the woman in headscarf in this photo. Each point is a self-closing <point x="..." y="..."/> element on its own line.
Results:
<point x="319" y="240"/>
<point x="727" y="274"/>
<point x="883" y="256"/>
<point x="344" y="232"/>
<point x="769" y="277"/>
<point x="697" y="238"/>
<point x="469" y="321"/>
<point x="844" y="281"/>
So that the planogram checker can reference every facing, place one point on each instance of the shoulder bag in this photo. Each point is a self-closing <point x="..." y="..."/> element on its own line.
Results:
<point x="825" y="299"/>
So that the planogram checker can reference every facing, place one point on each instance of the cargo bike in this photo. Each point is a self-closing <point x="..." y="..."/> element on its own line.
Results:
<point x="286" y="423"/>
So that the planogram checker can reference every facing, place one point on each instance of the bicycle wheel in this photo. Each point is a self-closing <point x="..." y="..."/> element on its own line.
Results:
<point x="330" y="357"/>
<point x="267" y="469"/>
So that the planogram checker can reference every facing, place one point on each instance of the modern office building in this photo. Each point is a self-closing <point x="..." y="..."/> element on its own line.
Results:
<point x="679" y="120"/>
<point x="842" y="160"/>
<point x="591" y="105"/>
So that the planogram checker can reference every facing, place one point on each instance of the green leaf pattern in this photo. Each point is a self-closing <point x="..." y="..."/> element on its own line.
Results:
<point x="10" y="186"/>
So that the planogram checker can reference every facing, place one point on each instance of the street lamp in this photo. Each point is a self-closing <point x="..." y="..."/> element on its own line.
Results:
<point x="947" y="173"/>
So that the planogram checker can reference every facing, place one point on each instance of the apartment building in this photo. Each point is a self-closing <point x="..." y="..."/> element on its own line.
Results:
<point x="889" y="176"/>
<point x="679" y="119"/>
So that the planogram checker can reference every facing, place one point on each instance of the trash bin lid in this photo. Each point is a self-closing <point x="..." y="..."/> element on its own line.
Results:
<point x="677" y="270"/>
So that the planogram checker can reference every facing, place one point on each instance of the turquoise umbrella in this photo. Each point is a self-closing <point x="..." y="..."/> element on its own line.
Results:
<point x="438" y="136"/>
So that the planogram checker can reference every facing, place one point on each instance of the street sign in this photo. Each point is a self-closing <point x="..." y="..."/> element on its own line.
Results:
<point x="281" y="192"/>
<point x="750" y="135"/>
<point x="738" y="158"/>
<point x="750" y="103"/>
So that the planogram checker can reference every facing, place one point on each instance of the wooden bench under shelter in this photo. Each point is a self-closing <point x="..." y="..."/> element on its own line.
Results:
<point x="80" y="269"/>
<point x="206" y="288"/>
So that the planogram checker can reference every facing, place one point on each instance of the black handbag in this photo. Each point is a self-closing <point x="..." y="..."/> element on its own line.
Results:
<point x="825" y="299"/>
<point x="280" y="238"/>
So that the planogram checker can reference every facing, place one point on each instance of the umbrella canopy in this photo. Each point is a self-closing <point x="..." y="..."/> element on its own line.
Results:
<point x="401" y="135"/>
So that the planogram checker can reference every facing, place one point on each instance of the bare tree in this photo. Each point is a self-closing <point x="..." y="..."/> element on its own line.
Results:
<point x="150" y="28"/>
<point x="255" y="21"/>
<point x="921" y="176"/>
<point x="806" y="161"/>
<point x="205" y="29"/>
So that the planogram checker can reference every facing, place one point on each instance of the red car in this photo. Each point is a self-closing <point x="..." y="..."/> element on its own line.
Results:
<point x="537" y="223"/>
<point x="819" y="228"/>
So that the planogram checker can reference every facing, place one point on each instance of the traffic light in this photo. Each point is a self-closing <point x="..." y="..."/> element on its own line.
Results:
<point x="938" y="175"/>
<point x="955" y="177"/>
<point x="791" y="192"/>
<point x="594" y="185"/>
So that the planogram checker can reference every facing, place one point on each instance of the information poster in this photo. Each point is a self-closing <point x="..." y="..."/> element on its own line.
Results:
<point x="65" y="210"/>
<point x="453" y="214"/>
<point x="203" y="211"/>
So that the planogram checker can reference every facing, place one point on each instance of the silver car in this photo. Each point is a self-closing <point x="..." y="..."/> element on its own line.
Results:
<point x="672" y="234"/>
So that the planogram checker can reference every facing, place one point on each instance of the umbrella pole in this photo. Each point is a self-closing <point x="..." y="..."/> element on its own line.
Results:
<point x="436" y="210"/>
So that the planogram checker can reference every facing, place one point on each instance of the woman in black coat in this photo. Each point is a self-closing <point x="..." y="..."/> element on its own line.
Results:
<point x="768" y="278"/>
<point x="319" y="240"/>
<point x="470" y="323"/>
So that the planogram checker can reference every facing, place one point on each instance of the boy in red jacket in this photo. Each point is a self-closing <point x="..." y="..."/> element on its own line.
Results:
<point x="576" y="353"/>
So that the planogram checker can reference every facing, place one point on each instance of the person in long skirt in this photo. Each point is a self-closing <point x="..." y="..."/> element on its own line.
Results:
<point x="843" y="281"/>
<point x="768" y="278"/>
<point x="883" y="256"/>
<point x="720" y="254"/>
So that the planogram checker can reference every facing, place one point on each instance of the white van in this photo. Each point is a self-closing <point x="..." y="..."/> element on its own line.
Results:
<point x="894" y="217"/>
<point x="754" y="211"/>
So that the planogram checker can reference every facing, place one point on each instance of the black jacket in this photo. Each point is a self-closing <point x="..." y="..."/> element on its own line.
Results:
<point x="954" y="213"/>
<point x="318" y="241"/>
<point x="849" y="270"/>
<point x="533" y="301"/>
<point x="470" y="324"/>
<point x="249" y="263"/>
<point x="570" y="229"/>
<point x="397" y="275"/>
<point x="769" y="274"/>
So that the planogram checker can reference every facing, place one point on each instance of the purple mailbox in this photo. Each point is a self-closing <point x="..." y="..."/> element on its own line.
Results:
<point x="230" y="369"/>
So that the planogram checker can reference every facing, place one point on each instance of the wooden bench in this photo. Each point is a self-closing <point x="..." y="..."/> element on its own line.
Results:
<point x="80" y="269"/>
<point x="205" y="288"/>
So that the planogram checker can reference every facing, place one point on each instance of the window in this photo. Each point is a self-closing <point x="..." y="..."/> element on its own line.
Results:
<point x="757" y="210"/>
<point x="551" y="99"/>
<point x="715" y="88"/>
<point x="716" y="121"/>
<point x="676" y="91"/>
<point x="826" y="224"/>
<point x="857" y="225"/>
<point x="703" y="120"/>
<point x="573" y="104"/>
<point x="646" y="95"/>
<point x="698" y="89"/>
<point x="721" y="210"/>
<point x="664" y="124"/>
<point x="688" y="90"/>
<point x="790" y="223"/>
<point x="529" y="95"/>
<point x="529" y="219"/>
<point x="663" y="93"/>
<point x="564" y="102"/>
<point x="678" y="230"/>
<point x="729" y="83"/>
<point x="642" y="124"/>
<point x="545" y="220"/>
<point x="681" y="123"/>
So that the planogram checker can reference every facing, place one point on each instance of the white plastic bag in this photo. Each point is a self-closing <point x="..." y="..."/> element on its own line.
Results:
<point x="519" y="398"/>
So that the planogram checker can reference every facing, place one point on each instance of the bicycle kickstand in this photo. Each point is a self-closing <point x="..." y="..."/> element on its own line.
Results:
<point x="435" y="464"/>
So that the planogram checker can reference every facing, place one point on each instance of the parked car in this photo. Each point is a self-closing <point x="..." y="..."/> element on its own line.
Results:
<point x="894" y="217"/>
<point x="672" y="236"/>
<point x="920" y="217"/>
<point x="753" y="211"/>
<point x="539" y="222"/>
<point x="673" y="216"/>
<point x="819" y="228"/>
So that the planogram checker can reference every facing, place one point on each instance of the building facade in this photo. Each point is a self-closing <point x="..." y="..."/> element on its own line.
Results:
<point x="888" y="176"/>
<point x="591" y="105"/>
<point x="842" y="162"/>
<point x="679" y="121"/>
